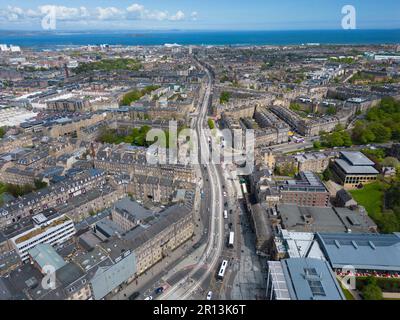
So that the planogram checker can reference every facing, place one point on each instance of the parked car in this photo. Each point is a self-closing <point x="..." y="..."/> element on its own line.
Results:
<point x="196" y="245"/>
<point x="209" y="295"/>
<point x="134" y="296"/>
<point x="149" y="298"/>
<point x="159" y="290"/>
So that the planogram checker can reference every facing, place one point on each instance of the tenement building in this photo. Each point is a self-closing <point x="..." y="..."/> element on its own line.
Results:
<point x="307" y="190"/>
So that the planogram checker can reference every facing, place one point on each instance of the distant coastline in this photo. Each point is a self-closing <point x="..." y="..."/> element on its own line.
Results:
<point x="51" y="40"/>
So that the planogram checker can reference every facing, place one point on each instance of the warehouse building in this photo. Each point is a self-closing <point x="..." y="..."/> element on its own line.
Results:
<point x="365" y="252"/>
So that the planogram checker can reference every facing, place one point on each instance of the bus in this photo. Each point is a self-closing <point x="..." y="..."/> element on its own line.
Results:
<point x="244" y="188"/>
<point x="222" y="270"/>
<point x="298" y="140"/>
<point x="231" y="239"/>
<point x="225" y="214"/>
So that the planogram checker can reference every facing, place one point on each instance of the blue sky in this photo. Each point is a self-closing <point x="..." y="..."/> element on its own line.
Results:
<point x="198" y="14"/>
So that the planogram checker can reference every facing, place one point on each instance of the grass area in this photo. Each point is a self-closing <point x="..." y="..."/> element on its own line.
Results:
<point x="370" y="197"/>
<point x="135" y="95"/>
<point x="211" y="124"/>
<point x="346" y="293"/>
<point x="109" y="65"/>
<point x="224" y="98"/>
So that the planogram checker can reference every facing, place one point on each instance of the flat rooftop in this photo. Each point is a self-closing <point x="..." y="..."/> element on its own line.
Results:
<point x="356" y="158"/>
<point x="355" y="169"/>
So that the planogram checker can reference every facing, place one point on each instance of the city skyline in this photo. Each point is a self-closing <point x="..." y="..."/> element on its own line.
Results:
<point x="196" y="15"/>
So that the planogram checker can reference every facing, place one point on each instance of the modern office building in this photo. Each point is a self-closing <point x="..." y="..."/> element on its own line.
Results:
<point x="354" y="169"/>
<point x="48" y="227"/>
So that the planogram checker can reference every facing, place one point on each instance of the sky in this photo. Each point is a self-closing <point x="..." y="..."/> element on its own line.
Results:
<point x="197" y="14"/>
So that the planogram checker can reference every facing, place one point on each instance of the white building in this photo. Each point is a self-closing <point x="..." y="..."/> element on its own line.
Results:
<point x="15" y="48"/>
<point x="383" y="57"/>
<point x="4" y="47"/>
<point x="51" y="230"/>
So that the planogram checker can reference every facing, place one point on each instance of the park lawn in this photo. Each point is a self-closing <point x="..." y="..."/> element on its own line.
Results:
<point x="371" y="198"/>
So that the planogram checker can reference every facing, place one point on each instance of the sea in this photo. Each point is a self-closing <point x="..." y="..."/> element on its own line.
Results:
<point x="57" y="39"/>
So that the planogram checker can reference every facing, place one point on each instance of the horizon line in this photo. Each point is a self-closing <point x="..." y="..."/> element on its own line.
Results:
<point x="197" y="30"/>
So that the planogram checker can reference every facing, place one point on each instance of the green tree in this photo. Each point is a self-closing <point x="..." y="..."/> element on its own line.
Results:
<point x="331" y="110"/>
<point x="2" y="132"/>
<point x="224" y="98"/>
<point x="211" y="124"/>
<point x="382" y="133"/>
<point x="335" y="140"/>
<point x="317" y="145"/>
<point x="40" y="184"/>
<point x="388" y="222"/>
<point x="367" y="136"/>
<point x="327" y="174"/>
<point x="372" y="291"/>
<point x="390" y="162"/>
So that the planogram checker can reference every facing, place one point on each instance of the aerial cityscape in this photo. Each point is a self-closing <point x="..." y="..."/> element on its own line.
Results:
<point x="182" y="158"/>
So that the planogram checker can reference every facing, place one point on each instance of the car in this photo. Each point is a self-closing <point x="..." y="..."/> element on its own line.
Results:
<point x="134" y="296"/>
<point x="209" y="295"/>
<point x="149" y="298"/>
<point x="159" y="290"/>
<point x="196" y="246"/>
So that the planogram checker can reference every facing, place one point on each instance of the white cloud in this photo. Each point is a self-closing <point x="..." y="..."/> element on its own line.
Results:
<point x="135" y="11"/>
<point x="194" y="15"/>
<point x="180" y="15"/>
<point x="84" y="15"/>
<point x="110" y="13"/>
<point x="12" y="13"/>
<point x="155" y="15"/>
<point x="135" y="8"/>
<point x="65" y="13"/>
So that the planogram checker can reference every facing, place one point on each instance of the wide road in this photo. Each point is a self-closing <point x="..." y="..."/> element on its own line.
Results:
<point x="210" y="258"/>
<point x="293" y="147"/>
